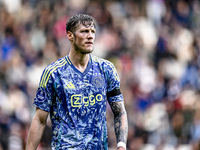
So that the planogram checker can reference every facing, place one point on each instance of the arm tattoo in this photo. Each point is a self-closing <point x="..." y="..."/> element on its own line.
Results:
<point x="120" y="121"/>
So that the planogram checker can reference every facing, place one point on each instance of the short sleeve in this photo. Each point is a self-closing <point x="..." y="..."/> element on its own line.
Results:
<point x="45" y="93"/>
<point x="113" y="90"/>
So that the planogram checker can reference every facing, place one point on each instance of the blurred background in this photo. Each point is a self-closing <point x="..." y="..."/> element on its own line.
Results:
<point x="154" y="44"/>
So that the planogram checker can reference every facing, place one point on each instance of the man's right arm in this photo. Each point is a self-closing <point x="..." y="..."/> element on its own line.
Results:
<point x="36" y="130"/>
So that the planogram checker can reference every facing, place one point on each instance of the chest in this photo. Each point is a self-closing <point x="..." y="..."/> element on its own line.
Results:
<point x="79" y="90"/>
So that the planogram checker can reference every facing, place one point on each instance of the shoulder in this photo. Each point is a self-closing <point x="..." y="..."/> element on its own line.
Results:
<point x="101" y="61"/>
<point x="56" y="65"/>
<point x="51" y="70"/>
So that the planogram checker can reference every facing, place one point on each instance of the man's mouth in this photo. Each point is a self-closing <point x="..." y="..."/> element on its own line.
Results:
<point x="90" y="43"/>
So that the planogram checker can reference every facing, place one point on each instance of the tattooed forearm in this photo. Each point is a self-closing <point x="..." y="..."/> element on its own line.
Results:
<point x="120" y="121"/>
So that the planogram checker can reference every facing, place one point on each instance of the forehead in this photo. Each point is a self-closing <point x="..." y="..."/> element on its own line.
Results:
<point x="86" y="25"/>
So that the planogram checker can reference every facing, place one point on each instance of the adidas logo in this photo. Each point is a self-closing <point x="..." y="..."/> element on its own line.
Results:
<point x="70" y="86"/>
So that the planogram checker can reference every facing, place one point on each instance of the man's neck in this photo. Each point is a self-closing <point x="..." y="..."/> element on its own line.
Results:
<point x="80" y="61"/>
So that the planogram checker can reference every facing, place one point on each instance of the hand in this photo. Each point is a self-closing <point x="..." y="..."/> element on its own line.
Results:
<point x="121" y="148"/>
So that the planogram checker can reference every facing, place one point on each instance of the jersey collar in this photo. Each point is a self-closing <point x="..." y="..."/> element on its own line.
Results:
<point x="75" y="69"/>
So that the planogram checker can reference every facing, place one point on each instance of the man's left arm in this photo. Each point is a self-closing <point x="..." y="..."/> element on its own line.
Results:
<point x="120" y="123"/>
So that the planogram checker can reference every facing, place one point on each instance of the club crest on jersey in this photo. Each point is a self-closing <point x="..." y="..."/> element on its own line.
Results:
<point x="98" y="81"/>
<point x="40" y="96"/>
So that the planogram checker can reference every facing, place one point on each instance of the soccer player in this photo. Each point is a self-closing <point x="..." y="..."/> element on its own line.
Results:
<point x="74" y="90"/>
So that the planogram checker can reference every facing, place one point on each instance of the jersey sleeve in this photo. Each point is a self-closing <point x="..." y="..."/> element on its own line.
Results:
<point x="44" y="95"/>
<point x="113" y="90"/>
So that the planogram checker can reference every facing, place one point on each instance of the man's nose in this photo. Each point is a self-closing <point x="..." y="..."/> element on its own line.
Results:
<point x="91" y="34"/>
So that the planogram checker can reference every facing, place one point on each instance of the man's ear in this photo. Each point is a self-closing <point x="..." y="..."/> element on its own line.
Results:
<point x="70" y="36"/>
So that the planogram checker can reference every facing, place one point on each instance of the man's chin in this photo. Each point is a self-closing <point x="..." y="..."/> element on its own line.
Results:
<point x="87" y="51"/>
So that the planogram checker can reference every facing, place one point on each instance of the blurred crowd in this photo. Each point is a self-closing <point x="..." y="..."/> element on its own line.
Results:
<point x="154" y="44"/>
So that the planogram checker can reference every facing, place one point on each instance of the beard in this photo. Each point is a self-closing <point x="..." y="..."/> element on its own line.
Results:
<point x="82" y="50"/>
